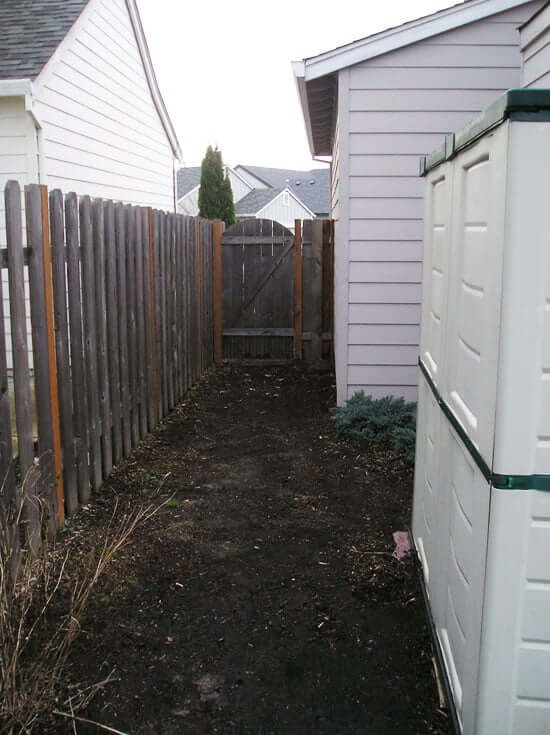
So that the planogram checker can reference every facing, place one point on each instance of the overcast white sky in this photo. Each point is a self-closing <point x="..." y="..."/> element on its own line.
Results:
<point x="224" y="68"/>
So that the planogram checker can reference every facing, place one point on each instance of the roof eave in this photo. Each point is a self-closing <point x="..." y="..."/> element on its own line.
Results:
<point x="404" y="35"/>
<point x="151" y="78"/>
<point x="299" y="69"/>
<point x="15" y="87"/>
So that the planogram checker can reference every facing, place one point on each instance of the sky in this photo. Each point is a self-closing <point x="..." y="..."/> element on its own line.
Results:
<point x="224" y="68"/>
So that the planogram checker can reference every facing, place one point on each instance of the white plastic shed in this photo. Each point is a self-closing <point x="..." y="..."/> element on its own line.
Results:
<point x="481" y="518"/>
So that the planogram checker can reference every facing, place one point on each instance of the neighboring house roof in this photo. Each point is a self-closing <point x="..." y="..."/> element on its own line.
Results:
<point x="188" y="178"/>
<point x="311" y="187"/>
<point x="316" y="76"/>
<point x="256" y="200"/>
<point x="33" y="30"/>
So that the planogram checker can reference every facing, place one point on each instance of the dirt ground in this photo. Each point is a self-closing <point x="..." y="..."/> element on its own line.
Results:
<point x="263" y="598"/>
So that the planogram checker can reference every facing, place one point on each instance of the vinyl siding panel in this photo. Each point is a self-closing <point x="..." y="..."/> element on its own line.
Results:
<point x="19" y="161"/>
<point x="285" y="213"/>
<point x="535" y="42"/>
<point x="239" y="188"/>
<point x="189" y="204"/>
<point x="399" y="107"/>
<point x="102" y="135"/>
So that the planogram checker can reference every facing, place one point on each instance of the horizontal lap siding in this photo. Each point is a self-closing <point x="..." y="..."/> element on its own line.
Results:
<point x="400" y="105"/>
<point x="535" y="41"/>
<point x="285" y="214"/>
<point x="19" y="161"/>
<point x="102" y="135"/>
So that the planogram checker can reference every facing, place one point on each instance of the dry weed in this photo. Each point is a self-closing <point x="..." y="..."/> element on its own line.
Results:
<point x="43" y="601"/>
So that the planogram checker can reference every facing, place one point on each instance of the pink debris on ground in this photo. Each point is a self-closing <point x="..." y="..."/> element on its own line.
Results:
<point x="402" y="544"/>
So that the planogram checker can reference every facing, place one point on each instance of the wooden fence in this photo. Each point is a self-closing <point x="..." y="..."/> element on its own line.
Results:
<point x="122" y="315"/>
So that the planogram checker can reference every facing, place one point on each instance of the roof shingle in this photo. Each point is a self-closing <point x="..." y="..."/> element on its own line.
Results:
<point x="311" y="187"/>
<point x="31" y="32"/>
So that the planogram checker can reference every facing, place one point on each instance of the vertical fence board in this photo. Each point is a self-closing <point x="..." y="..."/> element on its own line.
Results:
<point x="188" y="313"/>
<point x="122" y="319"/>
<point x="132" y="322"/>
<point x="140" y="326"/>
<point x="90" y="338"/>
<point x="147" y="356"/>
<point x="218" y="291"/>
<point x="179" y="308"/>
<point x="21" y="376"/>
<point x="64" y="377"/>
<point x="122" y="280"/>
<point x="298" y="324"/>
<point x="78" y="374"/>
<point x="152" y="226"/>
<point x="163" y="315"/>
<point x="158" y="309"/>
<point x="102" y="348"/>
<point x="39" y="328"/>
<point x="198" y="295"/>
<point x="113" y="346"/>
<point x="313" y="296"/>
<point x="170" y="282"/>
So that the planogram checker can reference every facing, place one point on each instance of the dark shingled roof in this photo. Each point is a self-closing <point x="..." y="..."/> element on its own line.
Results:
<point x="256" y="200"/>
<point x="30" y="32"/>
<point x="187" y="179"/>
<point x="311" y="187"/>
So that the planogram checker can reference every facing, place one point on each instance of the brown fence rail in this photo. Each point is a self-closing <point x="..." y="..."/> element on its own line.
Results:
<point x="122" y="324"/>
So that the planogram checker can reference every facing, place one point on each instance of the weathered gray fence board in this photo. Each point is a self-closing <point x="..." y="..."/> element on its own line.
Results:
<point x="122" y="325"/>
<point x="148" y="317"/>
<point x="113" y="347"/>
<point x="140" y="324"/>
<point x="120" y="238"/>
<point x="64" y="377"/>
<point x="20" y="357"/>
<point x="101" y="316"/>
<point x="132" y="322"/>
<point x="78" y="373"/>
<point x="172" y="354"/>
<point x="9" y="497"/>
<point x="90" y="338"/>
<point x="158" y="307"/>
<point x="35" y="234"/>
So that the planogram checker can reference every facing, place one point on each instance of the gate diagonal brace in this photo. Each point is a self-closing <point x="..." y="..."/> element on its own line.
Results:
<point x="264" y="280"/>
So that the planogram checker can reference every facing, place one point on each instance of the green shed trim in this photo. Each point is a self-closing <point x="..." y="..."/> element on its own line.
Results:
<point x="499" y="481"/>
<point x="527" y="105"/>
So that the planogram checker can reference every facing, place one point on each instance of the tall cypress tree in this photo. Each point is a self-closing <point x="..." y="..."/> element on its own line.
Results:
<point x="215" y="194"/>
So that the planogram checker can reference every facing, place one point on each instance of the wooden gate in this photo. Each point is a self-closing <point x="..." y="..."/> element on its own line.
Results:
<point x="278" y="291"/>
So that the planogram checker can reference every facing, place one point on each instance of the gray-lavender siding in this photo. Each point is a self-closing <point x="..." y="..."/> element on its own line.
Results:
<point x="391" y="110"/>
<point x="535" y="49"/>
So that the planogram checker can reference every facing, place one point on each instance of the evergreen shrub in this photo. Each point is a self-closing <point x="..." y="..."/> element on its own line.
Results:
<point x="388" y="421"/>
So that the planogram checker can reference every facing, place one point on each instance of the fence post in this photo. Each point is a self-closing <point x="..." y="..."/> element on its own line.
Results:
<point x="52" y="362"/>
<point x="218" y="291"/>
<point x="298" y="292"/>
<point x="152" y="305"/>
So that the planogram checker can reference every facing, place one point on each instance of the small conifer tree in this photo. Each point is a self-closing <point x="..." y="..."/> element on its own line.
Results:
<point x="215" y="194"/>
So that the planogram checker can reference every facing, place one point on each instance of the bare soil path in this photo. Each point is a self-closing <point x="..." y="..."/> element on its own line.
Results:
<point x="263" y="598"/>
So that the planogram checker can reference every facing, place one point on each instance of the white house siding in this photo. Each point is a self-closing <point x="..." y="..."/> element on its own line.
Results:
<point x="284" y="211"/>
<point x="239" y="187"/>
<point x="398" y="107"/>
<point x="250" y="179"/>
<point x="18" y="149"/>
<point x="101" y="133"/>
<point x="535" y="47"/>
<point x="19" y="161"/>
<point x="189" y="204"/>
